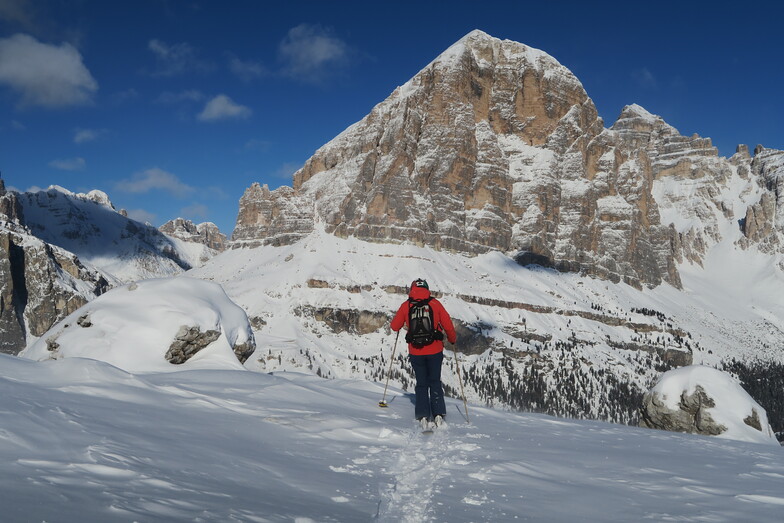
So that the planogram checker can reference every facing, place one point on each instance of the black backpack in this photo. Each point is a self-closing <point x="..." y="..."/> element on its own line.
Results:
<point x="421" y="331"/>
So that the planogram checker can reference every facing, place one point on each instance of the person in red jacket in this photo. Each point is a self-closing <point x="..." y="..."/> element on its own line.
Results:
<point x="426" y="348"/>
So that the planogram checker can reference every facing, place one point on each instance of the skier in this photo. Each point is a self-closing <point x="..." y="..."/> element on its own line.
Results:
<point x="426" y="321"/>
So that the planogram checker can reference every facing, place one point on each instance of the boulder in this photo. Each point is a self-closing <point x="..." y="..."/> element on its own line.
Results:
<point x="702" y="400"/>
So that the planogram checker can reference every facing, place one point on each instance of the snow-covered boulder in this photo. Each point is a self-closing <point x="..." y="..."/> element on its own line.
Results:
<point x="702" y="400"/>
<point x="154" y="325"/>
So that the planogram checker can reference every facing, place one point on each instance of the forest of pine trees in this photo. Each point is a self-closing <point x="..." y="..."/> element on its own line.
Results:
<point x="764" y="381"/>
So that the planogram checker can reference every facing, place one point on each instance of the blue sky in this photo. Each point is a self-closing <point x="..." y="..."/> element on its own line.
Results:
<point x="174" y="108"/>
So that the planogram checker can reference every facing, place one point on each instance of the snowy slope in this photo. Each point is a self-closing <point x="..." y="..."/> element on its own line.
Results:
<point x="535" y="339"/>
<point x="89" y="226"/>
<point x="83" y="441"/>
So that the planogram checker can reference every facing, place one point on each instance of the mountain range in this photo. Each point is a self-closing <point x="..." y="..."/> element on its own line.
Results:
<point x="578" y="260"/>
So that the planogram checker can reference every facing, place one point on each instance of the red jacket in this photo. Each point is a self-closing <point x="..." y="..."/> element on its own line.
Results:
<point x="441" y="320"/>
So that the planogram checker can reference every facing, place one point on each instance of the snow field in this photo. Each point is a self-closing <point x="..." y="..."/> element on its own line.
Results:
<point x="273" y="284"/>
<point x="84" y="441"/>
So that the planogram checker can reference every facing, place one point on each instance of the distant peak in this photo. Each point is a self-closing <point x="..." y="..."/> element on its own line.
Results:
<point x="635" y="117"/>
<point x="58" y="189"/>
<point x="638" y="111"/>
<point x="477" y="33"/>
<point x="99" y="197"/>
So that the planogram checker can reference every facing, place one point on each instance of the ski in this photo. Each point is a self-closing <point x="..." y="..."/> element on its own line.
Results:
<point x="425" y="425"/>
<point x="430" y="426"/>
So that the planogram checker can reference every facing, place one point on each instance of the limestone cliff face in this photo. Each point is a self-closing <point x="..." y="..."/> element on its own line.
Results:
<point x="267" y="217"/>
<point x="763" y="223"/>
<point x="206" y="233"/>
<point x="40" y="284"/>
<point x="497" y="146"/>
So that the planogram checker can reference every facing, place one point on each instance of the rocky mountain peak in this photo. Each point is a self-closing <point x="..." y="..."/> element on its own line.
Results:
<point x="636" y="118"/>
<point x="496" y="146"/>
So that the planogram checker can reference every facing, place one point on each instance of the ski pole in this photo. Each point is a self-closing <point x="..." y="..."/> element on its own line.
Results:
<point x="383" y="403"/>
<point x="460" y="379"/>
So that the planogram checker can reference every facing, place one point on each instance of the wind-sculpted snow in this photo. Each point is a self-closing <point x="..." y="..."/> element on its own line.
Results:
<point x="81" y="441"/>
<point x="151" y="325"/>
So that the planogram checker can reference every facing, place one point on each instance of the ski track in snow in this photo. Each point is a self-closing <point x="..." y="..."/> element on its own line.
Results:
<point x="83" y="441"/>
<point x="421" y="470"/>
<point x="415" y="473"/>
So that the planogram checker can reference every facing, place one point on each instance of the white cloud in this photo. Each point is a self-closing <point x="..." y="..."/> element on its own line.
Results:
<point x="140" y="215"/>
<point x="87" y="135"/>
<point x="176" y="59"/>
<point x="224" y="108"/>
<point x="45" y="75"/>
<point x="308" y="51"/>
<point x="32" y="188"/>
<point x="155" y="179"/>
<point x="246" y="70"/>
<point x="196" y="210"/>
<point x="69" y="164"/>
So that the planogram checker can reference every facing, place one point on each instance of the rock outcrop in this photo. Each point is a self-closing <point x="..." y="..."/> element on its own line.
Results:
<point x="267" y="217"/>
<point x="693" y="415"/>
<point x="188" y="342"/>
<point x="763" y="224"/>
<point x="703" y="400"/>
<point x="206" y="233"/>
<point x="40" y="285"/>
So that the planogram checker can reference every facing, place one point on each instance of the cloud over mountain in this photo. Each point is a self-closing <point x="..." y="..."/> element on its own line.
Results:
<point x="155" y="179"/>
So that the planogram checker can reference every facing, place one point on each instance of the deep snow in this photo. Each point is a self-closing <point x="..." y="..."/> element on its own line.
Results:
<point x="132" y="327"/>
<point x="83" y="441"/>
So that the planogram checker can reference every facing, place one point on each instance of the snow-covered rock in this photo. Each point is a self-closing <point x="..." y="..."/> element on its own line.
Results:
<point x="89" y="226"/>
<point x="153" y="325"/>
<point x="206" y="233"/>
<point x="61" y="249"/>
<point x="702" y="400"/>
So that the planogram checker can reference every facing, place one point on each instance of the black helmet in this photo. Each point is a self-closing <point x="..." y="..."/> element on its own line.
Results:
<point x="419" y="282"/>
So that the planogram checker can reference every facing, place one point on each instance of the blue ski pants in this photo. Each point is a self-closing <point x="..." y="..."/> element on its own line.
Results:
<point x="429" y="390"/>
